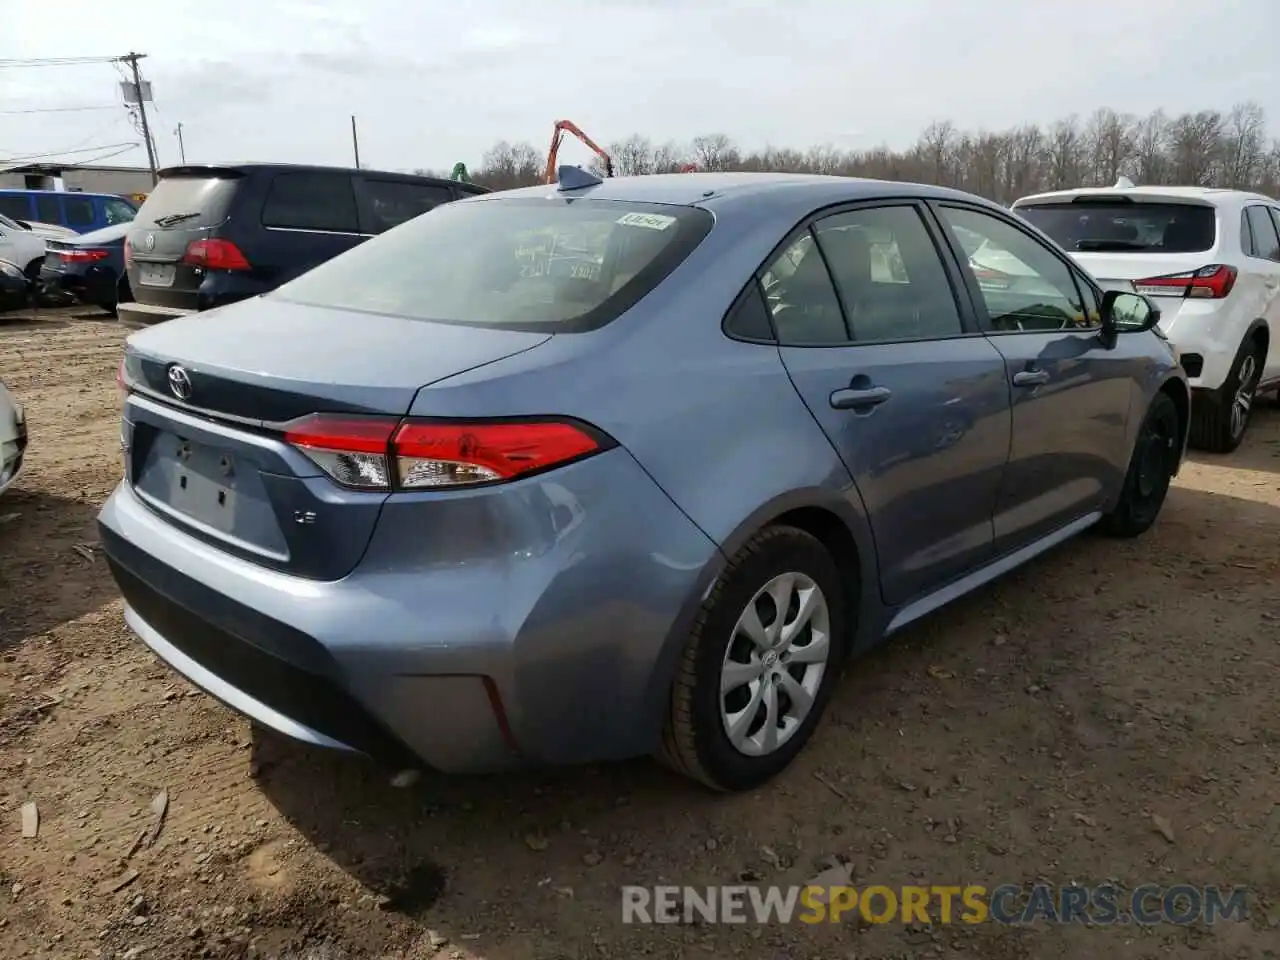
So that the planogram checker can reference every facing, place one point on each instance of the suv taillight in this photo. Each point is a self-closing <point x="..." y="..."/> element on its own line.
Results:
<point x="215" y="255"/>
<point x="1208" y="283"/>
<point x="377" y="453"/>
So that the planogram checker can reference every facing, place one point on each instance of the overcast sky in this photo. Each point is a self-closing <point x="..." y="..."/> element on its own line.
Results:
<point x="434" y="82"/>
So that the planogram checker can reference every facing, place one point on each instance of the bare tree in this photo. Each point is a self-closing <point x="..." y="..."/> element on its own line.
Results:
<point x="1200" y="148"/>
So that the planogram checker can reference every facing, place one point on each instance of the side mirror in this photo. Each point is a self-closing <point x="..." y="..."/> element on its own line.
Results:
<point x="1128" y="312"/>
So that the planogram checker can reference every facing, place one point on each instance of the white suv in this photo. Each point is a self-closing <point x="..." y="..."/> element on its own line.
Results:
<point x="1211" y="258"/>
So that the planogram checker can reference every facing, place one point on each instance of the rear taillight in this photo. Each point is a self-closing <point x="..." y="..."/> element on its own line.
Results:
<point x="376" y="453"/>
<point x="85" y="255"/>
<point x="122" y="385"/>
<point x="1208" y="283"/>
<point x="215" y="255"/>
<point x="991" y="279"/>
<point x="128" y="252"/>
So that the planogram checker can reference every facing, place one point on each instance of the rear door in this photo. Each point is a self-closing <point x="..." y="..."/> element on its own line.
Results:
<point x="912" y="396"/>
<point x="386" y="202"/>
<point x="1070" y="390"/>
<point x="188" y="205"/>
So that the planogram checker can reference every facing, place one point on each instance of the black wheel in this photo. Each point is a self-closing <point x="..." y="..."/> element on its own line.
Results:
<point x="1219" y="421"/>
<point x="760" y="663"/>
<point x="1150" y="471"/>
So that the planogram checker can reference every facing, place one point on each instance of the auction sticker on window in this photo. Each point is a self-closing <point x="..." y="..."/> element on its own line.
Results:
<point x="650" y="221"/>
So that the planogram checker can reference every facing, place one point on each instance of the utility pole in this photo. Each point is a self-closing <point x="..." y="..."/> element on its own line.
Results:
<point x="355" y="141"/>
<point x="182" y="153"/>
<point x="132" y="60"/>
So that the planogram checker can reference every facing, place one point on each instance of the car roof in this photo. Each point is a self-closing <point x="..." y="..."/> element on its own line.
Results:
<point x="62" y="193"/>
<point x="1210" y="195"/>
<point x="255" y="166"/>
<point x="725" y="192"/>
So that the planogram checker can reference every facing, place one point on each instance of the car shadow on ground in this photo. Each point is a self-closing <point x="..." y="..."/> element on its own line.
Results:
<point x="1030" y="671"/>
<point x="1261" y="447"/>
<point x="51" y="570"/>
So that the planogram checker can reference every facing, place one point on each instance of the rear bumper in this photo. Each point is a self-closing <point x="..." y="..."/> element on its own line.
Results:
<point x="1207" y="339"/>
<point x="139" y="315"/>
<point x="548" y="651"/>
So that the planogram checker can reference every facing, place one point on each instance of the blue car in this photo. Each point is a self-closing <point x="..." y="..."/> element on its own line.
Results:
<point x="74" y="209"/>
<point x="621" y="467"/>
<point x="89" y="269"/>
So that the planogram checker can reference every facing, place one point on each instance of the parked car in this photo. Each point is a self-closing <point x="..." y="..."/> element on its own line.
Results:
<point x="21" y="246"/>
<point x="13" y="437"/>
<point x="77" y="211"/>
<point x="89" y="268"/>
<point x="212" y="235"/>
<point x="15" y="287"/>
<point x="1211" y="258"/>
<point x="438" y="503"/>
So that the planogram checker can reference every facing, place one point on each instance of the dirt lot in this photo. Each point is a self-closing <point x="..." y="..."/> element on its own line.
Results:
<point x="1031" y="731"/>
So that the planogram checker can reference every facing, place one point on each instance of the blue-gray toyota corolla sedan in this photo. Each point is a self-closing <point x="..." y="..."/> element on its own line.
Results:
<point x="611" y="468"/>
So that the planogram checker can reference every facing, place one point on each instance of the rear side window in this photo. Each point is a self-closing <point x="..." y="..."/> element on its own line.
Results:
<point x="311" y="200"/>
<point x="1266" y="245"/>
<point x="79" y="211"/>
<point x="189" y="201"/>
<point x="16" y="207"/>
<point x="392" y="202"/>
<point x="48" y="209"/>
<point x="1121" y="226"/>
<point x="544" y="264"/>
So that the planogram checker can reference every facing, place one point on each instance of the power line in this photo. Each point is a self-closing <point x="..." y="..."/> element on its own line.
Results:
<point x="105" y="106"/>
<point x="130" y="144"/>
<point x="21" y="63"/>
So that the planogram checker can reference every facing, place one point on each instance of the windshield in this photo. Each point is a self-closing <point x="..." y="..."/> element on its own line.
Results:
<point x="1120" y="226"/>
<point x="532" y="264"/>
<point x="6" y="222"/>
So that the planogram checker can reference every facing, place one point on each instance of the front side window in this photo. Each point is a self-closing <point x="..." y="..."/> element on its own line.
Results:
<point x="119" y="212"/>
<point x="545" y="264"/>
<point x="1024" y="285"/>
<point x="392" y="202"/>
<point x="889" y="274"/>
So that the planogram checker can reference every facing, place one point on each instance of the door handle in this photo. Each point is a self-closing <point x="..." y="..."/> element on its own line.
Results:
<point x="1030" y="378"/>
<point x="851" y="398"/>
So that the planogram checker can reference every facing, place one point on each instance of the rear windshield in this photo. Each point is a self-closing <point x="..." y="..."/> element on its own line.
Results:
<point x="188" y="201"/>
<point x="527" y="264"/>
<point x="1125" y="227"/>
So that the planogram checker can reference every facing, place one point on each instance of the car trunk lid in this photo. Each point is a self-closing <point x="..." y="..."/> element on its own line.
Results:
<point x="186" y="207"/>
<point x="205" y="424"/>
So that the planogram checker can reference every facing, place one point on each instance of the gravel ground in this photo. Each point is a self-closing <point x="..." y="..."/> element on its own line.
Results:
<point x="1108" y="712"/>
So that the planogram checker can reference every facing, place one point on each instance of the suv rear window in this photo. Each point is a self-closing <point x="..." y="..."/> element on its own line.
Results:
<point x="1119" y="226"/>
<point x="199" y="200"/>
<point x="527" y="264"/>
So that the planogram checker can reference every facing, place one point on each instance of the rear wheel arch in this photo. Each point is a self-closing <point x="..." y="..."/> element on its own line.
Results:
<point x="1177" y="391"/>
<point x="825" y="515"/>
<point x="1260" y="333"/>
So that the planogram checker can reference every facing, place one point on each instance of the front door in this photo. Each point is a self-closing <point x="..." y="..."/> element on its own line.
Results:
<point x="913" y="399"/>
<point x="1071" y="388"/>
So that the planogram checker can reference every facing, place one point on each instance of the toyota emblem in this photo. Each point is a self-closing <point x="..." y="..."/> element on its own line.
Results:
<point x="149" y="243"/>
<point x="180" y="382"/>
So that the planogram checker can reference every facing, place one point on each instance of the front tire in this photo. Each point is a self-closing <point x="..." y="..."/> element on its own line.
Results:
<point x="1150" y="471"/>
<point x="760" y="663"/>
<point x="1219" y="421"/>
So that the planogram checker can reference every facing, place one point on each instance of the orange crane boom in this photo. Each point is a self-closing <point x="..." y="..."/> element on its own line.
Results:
<point x="557" y="137"/>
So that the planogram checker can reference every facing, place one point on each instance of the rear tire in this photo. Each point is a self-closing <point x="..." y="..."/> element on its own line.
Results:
<point x="1150" y="471"/>
<point x="1219" y="420"/>
<point x="785" y="675"/>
